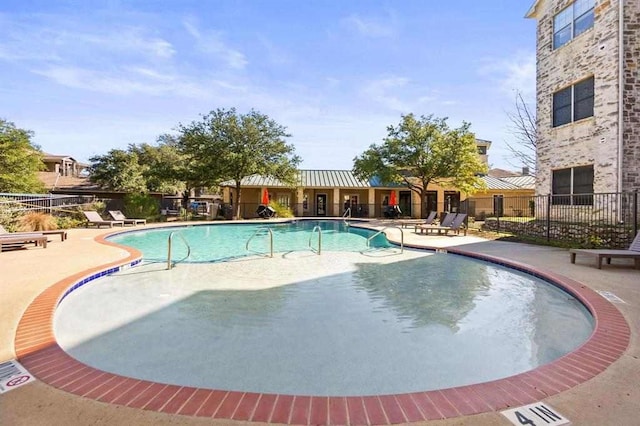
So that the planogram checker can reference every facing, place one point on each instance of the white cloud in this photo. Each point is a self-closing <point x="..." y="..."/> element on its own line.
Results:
<point x="385" y="92"/>
<point x="211" y="42"/>
<point x="369" y="26"/>
<point x="516" y="73"/>
<point x="135" y="80"/>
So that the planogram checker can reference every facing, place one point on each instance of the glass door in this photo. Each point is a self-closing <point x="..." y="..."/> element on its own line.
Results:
<point x="321" y="205"/>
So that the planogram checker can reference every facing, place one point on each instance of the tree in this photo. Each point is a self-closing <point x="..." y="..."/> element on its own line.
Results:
<point x="118" y="170"/>
<point x="20" y="160"/>
<point x="165" y="165"/>
<point x="523" y="128"/>
<point x="143" y="168"/>
<point x="421" y="151"/>
<point x="226" y="145"/>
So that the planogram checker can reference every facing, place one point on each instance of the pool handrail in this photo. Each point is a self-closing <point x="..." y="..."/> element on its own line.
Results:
<point x="169" y="244"/>
<point x="346" y="215"/>
<point x="255" y="234"/>
<point x="319" y="239"/>
<point x="382" y="232"/>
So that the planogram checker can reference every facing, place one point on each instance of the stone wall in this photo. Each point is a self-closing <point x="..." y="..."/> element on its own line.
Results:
<point x="576" y="234"/>
<point x="631" y="152"/>
<point x="592" y="140"/>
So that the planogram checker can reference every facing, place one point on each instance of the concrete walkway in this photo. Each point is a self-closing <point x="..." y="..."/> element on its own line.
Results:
<point x="611" y="398"/>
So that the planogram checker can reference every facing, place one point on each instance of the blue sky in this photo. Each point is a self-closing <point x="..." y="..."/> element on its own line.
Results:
<point x="89" y="76"/>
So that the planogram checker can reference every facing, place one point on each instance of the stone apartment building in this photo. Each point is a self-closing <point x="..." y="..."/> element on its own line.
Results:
<point x="588" y="97"/>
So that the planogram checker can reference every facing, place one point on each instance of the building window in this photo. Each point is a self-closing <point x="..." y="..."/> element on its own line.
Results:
<point x="482" y="150"/>
<point x="284" y="200"/>
<point x="573" y="103"/>
<point x="572" y="21"/>
<point x="573" y="186"/>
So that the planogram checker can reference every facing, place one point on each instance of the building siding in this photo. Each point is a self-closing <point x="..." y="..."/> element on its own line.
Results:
<point x="592" y="140"/>
<point x="631" y="98"/>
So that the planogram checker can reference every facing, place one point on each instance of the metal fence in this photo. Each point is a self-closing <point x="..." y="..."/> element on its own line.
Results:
<point x="361" y="210"/>
<point x="588" y="220"/>
<point x="46" y="203"/>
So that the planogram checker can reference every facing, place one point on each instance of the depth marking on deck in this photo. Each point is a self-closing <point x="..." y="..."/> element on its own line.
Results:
<point x="535" y="414"/>
<point x="13" y="375"/>
<point x="610" y="296"/>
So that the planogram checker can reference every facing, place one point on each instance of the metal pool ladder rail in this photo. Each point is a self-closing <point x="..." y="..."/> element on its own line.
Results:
<point x="317" y="227"/>
<point x="382" y="232"/>
<point x="346" y="215"/>
<point x="169" y="244"/>
<point x="261" y="231"/>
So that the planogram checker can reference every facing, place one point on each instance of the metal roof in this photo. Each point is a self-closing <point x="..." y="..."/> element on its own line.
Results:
<point x="523" y="182"/>
<point x="512" y="182"/>
<point x="309" y="179"/>
<point x="331" y="179"/>
<point x="257" y="180"/>
<point x="346" y="179"/>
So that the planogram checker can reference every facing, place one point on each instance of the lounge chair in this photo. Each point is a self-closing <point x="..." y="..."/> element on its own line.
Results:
<point x="18" y="239"/>
<point x="415" y="222"/>
<point x="93" y="218"/>
<point x="447" y="221"/>
<point x="118" y="215"/>
<point x="633" y="252"/>
<point x="61" y="232"/>
<point x="456" y="225"/>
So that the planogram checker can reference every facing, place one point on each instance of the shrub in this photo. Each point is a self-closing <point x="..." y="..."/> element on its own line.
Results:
<point x="67" y="222"/>
<point x="8" y="216"/>
<point x="281" y="211"/>
<point x="37" y="221"/>
<point x="141" y="206"/>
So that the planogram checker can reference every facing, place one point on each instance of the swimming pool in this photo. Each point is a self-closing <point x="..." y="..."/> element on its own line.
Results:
<point x="224" y="241"/>
<point x="357" y="324"/>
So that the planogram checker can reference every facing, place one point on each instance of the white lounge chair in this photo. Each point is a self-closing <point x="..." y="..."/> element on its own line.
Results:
<point x="633" y="252"/>
<point x="94" y="218"/>
<point x="118" y="215"/>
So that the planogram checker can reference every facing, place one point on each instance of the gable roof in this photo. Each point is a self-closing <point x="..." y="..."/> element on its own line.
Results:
<point x="510" y="183"/>
<point x="313" y="179"/>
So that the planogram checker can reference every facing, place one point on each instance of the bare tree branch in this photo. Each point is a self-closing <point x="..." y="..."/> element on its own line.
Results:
<point x="523" y="129"/>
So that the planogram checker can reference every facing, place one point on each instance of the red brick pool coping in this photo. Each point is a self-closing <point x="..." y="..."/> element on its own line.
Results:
<point x="38" y="351"/>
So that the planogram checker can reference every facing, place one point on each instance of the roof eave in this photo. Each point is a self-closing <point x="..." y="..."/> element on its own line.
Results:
<point x="533" y="10"/>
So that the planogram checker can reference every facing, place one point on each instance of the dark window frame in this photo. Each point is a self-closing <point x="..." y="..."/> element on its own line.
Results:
<point x="572" y="186"/>
<point x="579" y="98"/>
<point x="588" y="16"/>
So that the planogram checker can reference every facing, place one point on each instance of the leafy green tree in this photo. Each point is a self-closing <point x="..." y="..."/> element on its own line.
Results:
<point x="20" y="160"/>
<point x="164" y="169"/>
<point x="226" y="145"/>
<point x="424" y="150"/>
<point x="141" y="206"/>
<point x="118" y="170"/>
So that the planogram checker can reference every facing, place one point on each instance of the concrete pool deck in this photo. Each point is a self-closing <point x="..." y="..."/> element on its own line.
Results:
<point x="611" y="397"/>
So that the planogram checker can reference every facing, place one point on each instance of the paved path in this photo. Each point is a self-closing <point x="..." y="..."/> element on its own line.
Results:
<point x="611" y="398"/>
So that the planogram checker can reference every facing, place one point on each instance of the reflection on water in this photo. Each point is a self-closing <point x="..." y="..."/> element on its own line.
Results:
<point x="425" y="323"/>
<point x="425" y="292"/>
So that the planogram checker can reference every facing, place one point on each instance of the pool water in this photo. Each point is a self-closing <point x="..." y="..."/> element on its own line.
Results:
<point x="211" y="243"/>
<point x="339" y="324"/>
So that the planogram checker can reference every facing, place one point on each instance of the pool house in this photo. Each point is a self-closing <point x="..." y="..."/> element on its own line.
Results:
<point x="329" y="193"/>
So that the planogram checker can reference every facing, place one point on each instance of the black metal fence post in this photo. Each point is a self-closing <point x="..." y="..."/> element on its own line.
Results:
<point x="635" y="213"/>
<point x="548" y="225"/>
